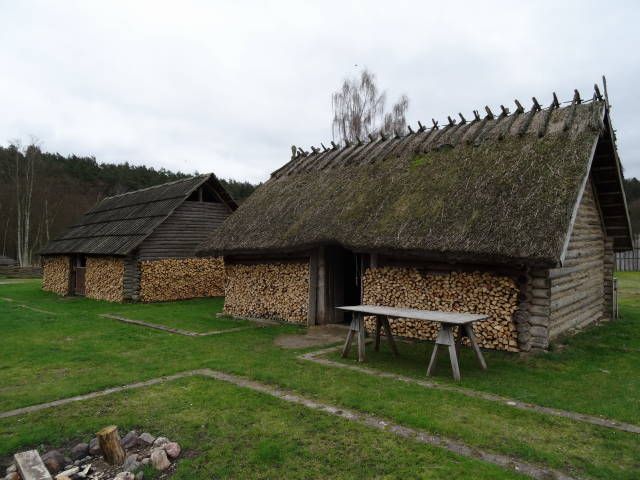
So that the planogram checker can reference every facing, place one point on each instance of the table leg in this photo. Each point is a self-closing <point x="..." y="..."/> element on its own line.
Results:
<point x="361" y="340"/>
<point x="472" y="339"/>
<point x="352" y="331"/>
<point x="432" y="363"/>
<point x="389" y="335"/>
<point x="378" y="326"/>
<point x="446" y="338"/>
<point x="453" y="356"/>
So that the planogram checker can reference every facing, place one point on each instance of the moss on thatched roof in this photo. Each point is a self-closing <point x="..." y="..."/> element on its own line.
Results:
<point x="496" y="187"/>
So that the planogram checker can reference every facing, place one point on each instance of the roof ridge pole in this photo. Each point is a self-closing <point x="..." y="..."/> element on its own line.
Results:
<point x="421" y="128"/>
<point x="425" y="140"/>
<point x="490" y="114"/>
<point x="596" y="92"/>
<point x="572" y="111"/>
<point x="606" y="92"/>
<point x="512" y="120"/>
<point x="545" y="123"/>
<point x="476" y="133"/>
<point x="596" y="121"/>
<point x="527" y="122"/>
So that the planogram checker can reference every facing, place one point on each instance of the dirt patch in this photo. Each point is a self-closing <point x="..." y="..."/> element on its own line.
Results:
<point x="313" y="337"/>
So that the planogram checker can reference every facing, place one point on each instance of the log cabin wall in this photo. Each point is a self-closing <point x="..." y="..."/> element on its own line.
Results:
<point x="459" y="291"/>
<point x="179" y="235"/>
<point x="181" y="278"/>
<point x="56" y="274"/>
<point x="104" y="278"/>
<point x="609" y="268"/>
<point x="577" y="289"/>
<point x="272" y="289"/>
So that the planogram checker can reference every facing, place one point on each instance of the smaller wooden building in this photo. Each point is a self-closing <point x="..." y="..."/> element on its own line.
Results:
<point x="141" y="245"/>
<point x="512" y="214"/>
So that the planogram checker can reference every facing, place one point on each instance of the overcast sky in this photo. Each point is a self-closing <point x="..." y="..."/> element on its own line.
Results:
<point x="228" y="87"/>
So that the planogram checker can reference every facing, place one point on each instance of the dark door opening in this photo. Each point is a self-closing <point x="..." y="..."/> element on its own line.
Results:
<point x="79" y="268"/>
<point x="339" y="284"/>
<point x="351" y="281"/>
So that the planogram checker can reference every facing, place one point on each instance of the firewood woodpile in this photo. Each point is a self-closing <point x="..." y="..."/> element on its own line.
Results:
<point x="104" y="278"/>
<point x="56" y="274"/>
<point x="269" y="290"/>
<point x="465" y="292"/>
<point x="181" y="278"/>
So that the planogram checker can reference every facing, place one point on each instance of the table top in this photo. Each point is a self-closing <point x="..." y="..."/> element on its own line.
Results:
<point x="454" y="318"/>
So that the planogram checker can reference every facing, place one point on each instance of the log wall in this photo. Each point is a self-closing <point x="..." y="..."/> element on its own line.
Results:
<point x="474" y="292"/>
<point x="609" y="268"/>
<point x="577" y="296"/>
<point x="56" y="274"/>
<point x="278" y="290"/>
<point x="104" y="278"/>
<point x="186" y="228"/>
<point x="181" y="278"/>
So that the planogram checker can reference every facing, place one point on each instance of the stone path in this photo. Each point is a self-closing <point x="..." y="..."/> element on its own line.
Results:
<point x="22" y="305"/>
<point x="511" y="463"/>
<point x="580" y="417"/>
<point x="177" y="331"/>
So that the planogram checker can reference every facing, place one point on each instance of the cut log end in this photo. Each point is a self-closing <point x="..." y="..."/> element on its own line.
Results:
<point x="109" y="441"/>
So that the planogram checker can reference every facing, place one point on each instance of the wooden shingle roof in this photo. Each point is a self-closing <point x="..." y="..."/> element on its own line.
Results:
<point x="501" y="186"/>
<point x="118" y="224"/>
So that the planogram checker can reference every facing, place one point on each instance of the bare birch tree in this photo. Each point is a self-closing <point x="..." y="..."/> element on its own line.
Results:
<point x="359" y="109"/>
<point x="24" y="176"/>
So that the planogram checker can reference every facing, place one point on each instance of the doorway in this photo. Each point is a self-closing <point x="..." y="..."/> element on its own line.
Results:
<point x="339" y="283"/>
<point x="78" y="274"/>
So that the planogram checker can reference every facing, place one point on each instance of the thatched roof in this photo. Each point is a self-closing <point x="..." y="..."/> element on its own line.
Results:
<point x="118" y="224"/>
<point x="498" y="187"/>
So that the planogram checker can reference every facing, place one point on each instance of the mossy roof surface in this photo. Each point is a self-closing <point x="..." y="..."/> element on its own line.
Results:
<point x="501" y="187"/>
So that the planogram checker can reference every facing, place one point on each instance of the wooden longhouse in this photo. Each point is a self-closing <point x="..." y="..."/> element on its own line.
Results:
<point x="141" y="245"/>
<point x="514" y="214"/>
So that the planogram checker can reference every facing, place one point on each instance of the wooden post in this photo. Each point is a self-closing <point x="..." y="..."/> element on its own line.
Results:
<point x="109" y="441"/>
<point x="313" y="289"/>
<point x="361" y="340"/>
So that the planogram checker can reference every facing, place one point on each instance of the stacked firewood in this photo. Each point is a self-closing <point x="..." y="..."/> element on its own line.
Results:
<point x="56" y="274"/>
<point x="268" y="290"/>
<point x="104" y="278"/>
<point x="474" y="292"/>
<point x="181" y="278"/>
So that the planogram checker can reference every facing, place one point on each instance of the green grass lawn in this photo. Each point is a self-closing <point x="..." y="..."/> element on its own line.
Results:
<point x="46" y="357"/>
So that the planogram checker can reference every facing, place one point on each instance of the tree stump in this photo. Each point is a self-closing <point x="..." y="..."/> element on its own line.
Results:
<point x="110" y="445"/>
